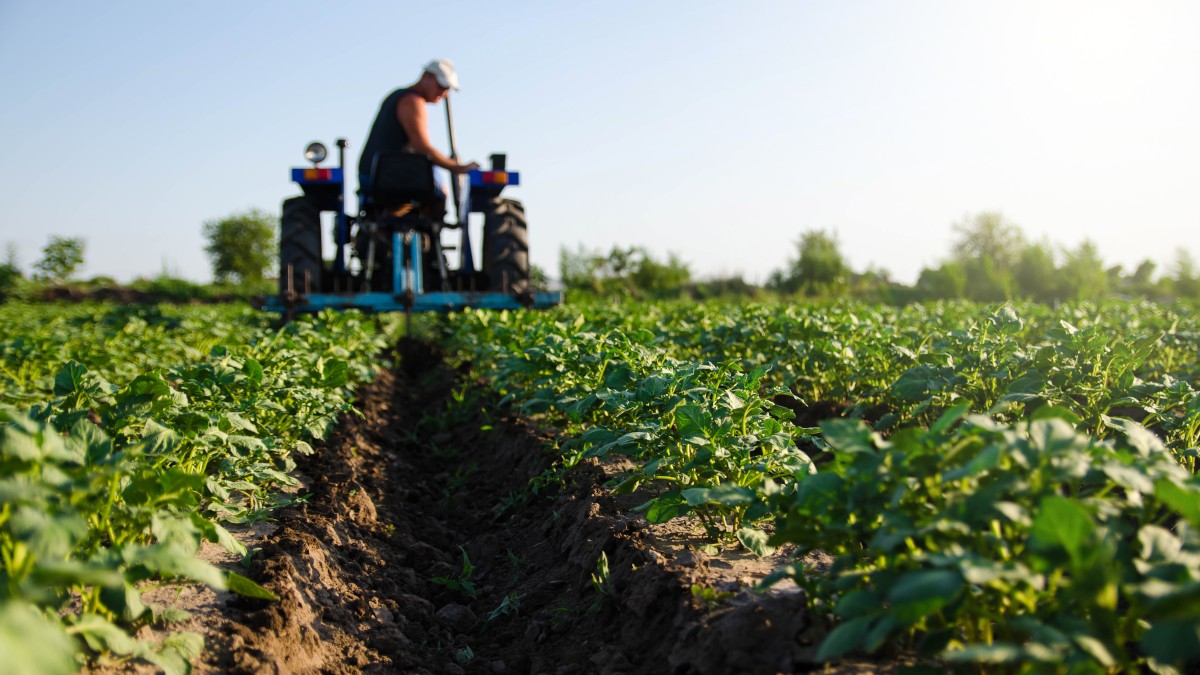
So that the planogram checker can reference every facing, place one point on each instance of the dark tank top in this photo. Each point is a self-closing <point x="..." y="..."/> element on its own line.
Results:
<point x="386" y="133"/>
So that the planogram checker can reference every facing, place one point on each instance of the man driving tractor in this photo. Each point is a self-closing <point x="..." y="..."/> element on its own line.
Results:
<point x="402" y="124"/>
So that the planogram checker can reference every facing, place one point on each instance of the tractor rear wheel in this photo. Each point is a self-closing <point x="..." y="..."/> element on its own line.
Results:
<point x="506" y="247"/>
<point x="300" y="247"/>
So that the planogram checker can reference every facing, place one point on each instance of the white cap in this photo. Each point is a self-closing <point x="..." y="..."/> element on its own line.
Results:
<point x="443" y="70"/>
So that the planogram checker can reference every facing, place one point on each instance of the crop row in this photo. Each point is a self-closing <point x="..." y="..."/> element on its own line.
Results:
<point x="999" y="485"/>
<point x="112" y="475"/>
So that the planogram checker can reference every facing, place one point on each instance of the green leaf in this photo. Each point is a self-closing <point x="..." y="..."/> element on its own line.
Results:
<point x="1063" y="523"/>
<point x="49" y="536"/>
<point x="101" y="635"/>
<point x="730" y="494"/>
<point x="1175" y="641"/>
<point x="949" y="417"/>
<point x="336" y="373"/>
<point x="755" y="541"/>
<point x="861" y="602"/>
<point x="733" y="401"/>
<point x="1185" y="500"/>
<point x="1095" y="648"/>
<point x="692" y="420"/>
<point x="215" y="533"/>
<point x="70" y="379"/>
<point x="883" y="629"/>
<point x="32" y="642"/>
<point x="170" y="560"/>
<point x="919" y="593"/>
<point x="68" y="572"/>
<point x="848" y="435"/>
<point x="1055" y="413"/>
<point x="913" y="384"/>
<point x="845" y="638"/>
<point x="243" y="586"/>
<point x="664" y="508"/>
<point x="253" y="371"/>
<point x="125" y="601"/>
<point x="1137" y="436"/>
<point x="185" y="644"/>
<point x="995" y="654"/>
<point x="177" y="530"/>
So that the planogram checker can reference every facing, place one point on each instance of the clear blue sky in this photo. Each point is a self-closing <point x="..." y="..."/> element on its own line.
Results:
<point x="718" y="131"/>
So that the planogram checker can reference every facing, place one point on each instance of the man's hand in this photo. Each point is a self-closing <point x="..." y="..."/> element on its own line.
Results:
<point x="463" y="168"/>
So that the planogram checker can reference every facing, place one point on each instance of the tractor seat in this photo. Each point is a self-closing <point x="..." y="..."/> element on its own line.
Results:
<point x="399" y="178"/>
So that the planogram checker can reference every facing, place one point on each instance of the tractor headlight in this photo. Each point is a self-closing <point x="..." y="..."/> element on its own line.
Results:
<point x="315" y="152"/>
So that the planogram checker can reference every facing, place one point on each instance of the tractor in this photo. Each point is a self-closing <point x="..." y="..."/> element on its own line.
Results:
<point x="390" y="256"/>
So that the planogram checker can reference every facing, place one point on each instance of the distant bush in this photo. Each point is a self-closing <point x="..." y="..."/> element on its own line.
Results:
<point x="11" y="281"/>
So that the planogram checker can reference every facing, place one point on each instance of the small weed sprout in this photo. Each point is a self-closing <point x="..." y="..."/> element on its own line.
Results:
<point x="463" y="583"/>
<point x="602" y="582"/>
<point x="515" y="561"/>
<point x="709" y="596"/>
<point x="511" y="604"/>
<point x="464" y="655"/>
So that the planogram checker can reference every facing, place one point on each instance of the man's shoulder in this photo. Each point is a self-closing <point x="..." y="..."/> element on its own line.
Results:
<point x="401" y="92"/>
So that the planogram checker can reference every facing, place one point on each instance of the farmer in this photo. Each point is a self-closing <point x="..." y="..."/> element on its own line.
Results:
<point x="402" y="124"/>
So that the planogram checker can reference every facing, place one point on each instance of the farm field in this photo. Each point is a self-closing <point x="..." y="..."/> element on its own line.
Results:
<point x="651" y="487"/>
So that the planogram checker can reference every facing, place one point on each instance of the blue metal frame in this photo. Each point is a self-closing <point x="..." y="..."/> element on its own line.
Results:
<point x="404" y="264"/>
<point x="450" y="301"/>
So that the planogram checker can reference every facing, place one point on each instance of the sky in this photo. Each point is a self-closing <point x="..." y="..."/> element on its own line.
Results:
<point x="715" y="131"/>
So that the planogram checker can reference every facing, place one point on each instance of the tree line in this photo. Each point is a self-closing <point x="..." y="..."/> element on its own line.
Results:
<point x="990" y="260"/>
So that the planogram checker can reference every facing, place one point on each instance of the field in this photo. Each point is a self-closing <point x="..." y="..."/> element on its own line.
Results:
<point x="652" y="487"/>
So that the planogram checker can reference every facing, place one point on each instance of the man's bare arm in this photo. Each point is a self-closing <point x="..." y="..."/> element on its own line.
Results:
<point x="410" y="110"/>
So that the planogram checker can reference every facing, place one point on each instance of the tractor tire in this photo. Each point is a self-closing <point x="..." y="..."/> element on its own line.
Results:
<point x="506" y="247"/>
<point x="300" y="247"/>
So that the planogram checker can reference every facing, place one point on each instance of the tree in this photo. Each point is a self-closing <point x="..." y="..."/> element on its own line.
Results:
<point x="1186" y="281"/>
<point x="631" y="271"/>
<point x="60" y="258"/>
<point x="1083" y="275"/>
<point x="988" y="249"/>
<point x="989" y="236"/>
<point x="946" y="282"/>
<point x="10" y="274"/>
<point x="1035" y="275"/>
<point x="986" y="281"/>
<point x="241" y="247"/>
<point x="819" y="267"/>
<point x="1141" y="282"/>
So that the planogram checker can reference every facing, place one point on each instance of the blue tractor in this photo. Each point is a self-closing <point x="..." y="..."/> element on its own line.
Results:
<point x="391" y="256"/>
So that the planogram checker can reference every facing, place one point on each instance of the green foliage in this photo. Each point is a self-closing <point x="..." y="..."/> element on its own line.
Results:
<point x="60" y="258"/>
<point x="133" y="434"/>
<point x="463" y="583"/>
<point x="989" y="236"/>
<point x="1082" y="274"/>
<point x="10" y="281"/>
<point x="1185" y="281"/>
<point x="1008" y="545"/>
<point x="946" y="282"/>
<point x="241" y="247"/>
<point x="632" y="271"/>
<point x="1056" y="527"/>
<point x="602" y="583"/>
<point x="819" y="268"/>
<point x="1035" y="274"/>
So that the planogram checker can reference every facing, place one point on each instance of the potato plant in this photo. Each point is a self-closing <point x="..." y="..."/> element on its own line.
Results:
<point x="1011" y="487"/>
<point x="111" y="476"/>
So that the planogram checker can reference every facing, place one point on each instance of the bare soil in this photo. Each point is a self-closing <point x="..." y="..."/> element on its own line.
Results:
<point x="433" y="471"/>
